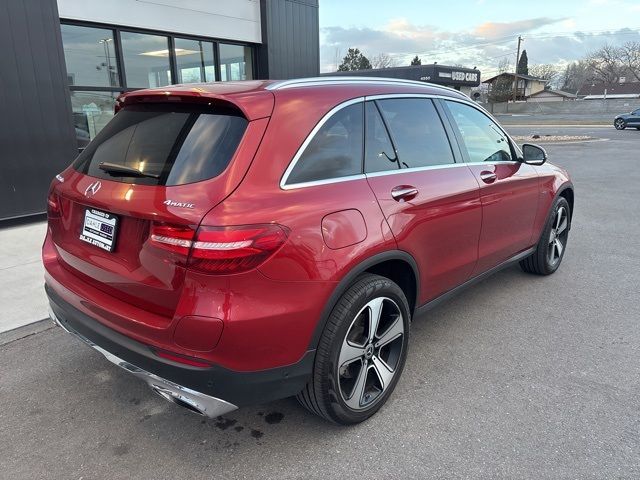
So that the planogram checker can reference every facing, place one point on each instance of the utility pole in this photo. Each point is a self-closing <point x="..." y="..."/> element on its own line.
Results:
<point x="515" y="73"/>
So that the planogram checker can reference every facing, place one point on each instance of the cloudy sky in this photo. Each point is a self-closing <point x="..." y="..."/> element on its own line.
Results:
<point x="474" y="32"/>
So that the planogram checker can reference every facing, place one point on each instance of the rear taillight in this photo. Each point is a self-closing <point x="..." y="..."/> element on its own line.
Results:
<point x="54" y="209"/>
<point x="174" y="238"/>
<point x="221" y="250"/>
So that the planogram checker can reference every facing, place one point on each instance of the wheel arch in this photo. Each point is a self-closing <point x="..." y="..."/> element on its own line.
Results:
<point x="566" y="191"/>
<point x="392" y="264"/>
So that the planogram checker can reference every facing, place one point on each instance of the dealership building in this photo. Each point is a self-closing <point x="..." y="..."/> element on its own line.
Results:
<point x="65" y="61"/>
<point x="459" y="78"/>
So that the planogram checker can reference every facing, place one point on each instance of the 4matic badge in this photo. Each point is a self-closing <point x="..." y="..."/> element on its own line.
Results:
<point x="171" y="203"/>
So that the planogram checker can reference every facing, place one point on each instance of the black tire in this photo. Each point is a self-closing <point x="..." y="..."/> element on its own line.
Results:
<point x="546" y="260"/>
<point x="637" y="128"/>
<point x="620" y="124"/>
<point x="324" y="393"/>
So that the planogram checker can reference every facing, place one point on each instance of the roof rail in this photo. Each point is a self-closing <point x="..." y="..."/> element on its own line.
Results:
<point x="338" y="80"/>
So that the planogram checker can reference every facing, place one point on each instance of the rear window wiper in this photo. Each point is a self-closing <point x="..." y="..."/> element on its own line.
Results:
<point x="122" y="171"/>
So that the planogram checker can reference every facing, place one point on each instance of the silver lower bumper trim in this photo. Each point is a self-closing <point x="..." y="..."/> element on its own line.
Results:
<point x="185" y="397"/>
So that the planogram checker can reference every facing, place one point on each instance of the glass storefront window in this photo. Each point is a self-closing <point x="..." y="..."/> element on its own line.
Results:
<point x="91" y="112"/>
<point x="90" y="56"/>
<point x="194" y="61"/>
<point x="146" y="60"/>
<point x="235" y="62"/>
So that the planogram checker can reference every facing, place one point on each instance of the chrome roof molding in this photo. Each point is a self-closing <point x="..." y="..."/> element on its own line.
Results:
<point x="340" y="80"/>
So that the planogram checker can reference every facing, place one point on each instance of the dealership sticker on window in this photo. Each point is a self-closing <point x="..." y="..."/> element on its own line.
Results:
<point x="99" y="229"/>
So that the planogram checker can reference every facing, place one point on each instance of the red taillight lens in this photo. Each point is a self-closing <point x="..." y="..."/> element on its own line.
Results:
<point x="225" y="250"/>
<point x="54" y="209"/>
<point x="174" y="238"/>
<point x="220" y="250"/>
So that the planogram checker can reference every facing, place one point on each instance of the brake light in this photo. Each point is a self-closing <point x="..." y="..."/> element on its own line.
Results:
<point x="174" y="238"/>
<point x="220" y="250"/>
<point x="224" y="250"/>
<point x="54" y="209"/>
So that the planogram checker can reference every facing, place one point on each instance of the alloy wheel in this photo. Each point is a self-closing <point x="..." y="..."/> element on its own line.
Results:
<point x="619" y="124"/>
<point x="558" y="236"/>
<point x="370" y="353"/>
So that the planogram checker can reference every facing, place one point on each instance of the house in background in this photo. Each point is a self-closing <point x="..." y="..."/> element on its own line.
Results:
<point x="527" y="84"/>
<point x="603" y="91"/>
<point x="544" y="96"/>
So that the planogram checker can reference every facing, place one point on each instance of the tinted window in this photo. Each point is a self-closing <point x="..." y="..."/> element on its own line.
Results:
<point x="194" y="61"/>
<point x="235" y="62"/>
<point x="336" y="149"/>
<point x="146" y="60"/>
<point x="379" y="153"/>
<point x="90" y="56"/>
<point x="417" y="132"/>
<point x="482" y="138"/>
<point x="177" y="145"/>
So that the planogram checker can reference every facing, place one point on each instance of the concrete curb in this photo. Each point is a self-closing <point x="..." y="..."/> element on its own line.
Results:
<point x="26" y="331"/>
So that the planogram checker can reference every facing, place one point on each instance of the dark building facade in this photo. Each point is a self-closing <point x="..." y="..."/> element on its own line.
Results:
<point x="65" y="62"/>
<point x="455" y="77"/>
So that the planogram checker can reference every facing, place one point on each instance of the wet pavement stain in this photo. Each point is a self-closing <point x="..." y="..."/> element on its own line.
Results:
<point x="239" y="428"/>
<point x="256" y="433"/>
<point x="121" y="450"/>
<point x="273" y="417"/>
<point x="224" y="423"/>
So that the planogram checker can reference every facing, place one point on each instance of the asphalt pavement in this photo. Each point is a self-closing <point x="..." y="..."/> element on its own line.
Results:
<point x="518" y="377"/>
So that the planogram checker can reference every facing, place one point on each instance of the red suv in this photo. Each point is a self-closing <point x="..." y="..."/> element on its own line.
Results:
<point x="242" y="242"/>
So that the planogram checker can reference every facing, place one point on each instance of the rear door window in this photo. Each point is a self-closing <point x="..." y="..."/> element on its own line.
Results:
<point x="335" y="151"/>
<point x="380" y="156"/>
<point x="417" y="132"/>
<point x="169" y="145"/>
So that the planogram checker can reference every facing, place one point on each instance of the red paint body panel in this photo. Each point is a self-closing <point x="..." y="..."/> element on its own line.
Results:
<point x="509" y="208"/>
<point x="439" y="227"/>
<point x="454" y="228"/>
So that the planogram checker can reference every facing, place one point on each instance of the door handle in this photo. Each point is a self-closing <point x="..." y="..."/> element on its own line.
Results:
<point x="488" y="177"/>
<point x="404" y="192"/>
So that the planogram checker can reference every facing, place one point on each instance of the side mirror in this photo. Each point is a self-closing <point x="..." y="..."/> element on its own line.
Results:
<point x="533" y="154"/>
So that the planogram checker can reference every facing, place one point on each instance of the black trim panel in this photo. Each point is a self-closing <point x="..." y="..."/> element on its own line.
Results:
<point x="454" y="291"/>
<point x="239" y="388"/>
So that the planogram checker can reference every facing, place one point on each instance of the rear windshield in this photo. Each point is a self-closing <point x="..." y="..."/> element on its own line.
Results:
<point x="169" y="144"/>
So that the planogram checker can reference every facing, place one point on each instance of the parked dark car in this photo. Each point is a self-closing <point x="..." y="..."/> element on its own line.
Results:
<point x="627" y="120"/>
<point x="241" y="242"/>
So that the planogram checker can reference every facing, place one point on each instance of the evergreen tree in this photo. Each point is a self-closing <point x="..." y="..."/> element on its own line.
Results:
<point x="354" y="60"/>
<point x="523" y="64"/>
<point x="416" y="61"/>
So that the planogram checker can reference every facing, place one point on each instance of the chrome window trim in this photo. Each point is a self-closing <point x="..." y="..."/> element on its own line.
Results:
<point x="307" y="141"/>
<point x="414" y="169"/>
<point x="315" y="183"/>
<point x="330" y="113"/>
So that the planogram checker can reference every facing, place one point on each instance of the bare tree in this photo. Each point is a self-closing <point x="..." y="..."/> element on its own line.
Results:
<point x="575" y="76"/>
<point x="503" y="65"/>
<point x="383" y="60"/>
<point x="606" y="64"/>
<point x="630" y="57"/>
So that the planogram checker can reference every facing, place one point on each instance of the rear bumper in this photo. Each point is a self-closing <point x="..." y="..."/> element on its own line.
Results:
<point x="208" y="391"/>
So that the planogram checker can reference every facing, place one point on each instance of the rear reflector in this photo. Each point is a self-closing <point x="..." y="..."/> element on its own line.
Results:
<point x="221" y="250"/>
<point x="192" y="362"/>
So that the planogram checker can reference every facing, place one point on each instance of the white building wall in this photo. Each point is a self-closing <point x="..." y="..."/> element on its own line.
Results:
<point x="227" y="19"/>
